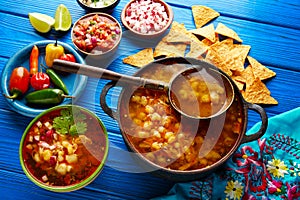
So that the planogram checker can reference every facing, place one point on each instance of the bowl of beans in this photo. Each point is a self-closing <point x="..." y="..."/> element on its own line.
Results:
<point x="170" y="144"/>
<point x="96" y="34"/>
<point x="98" y="5"/>
<point x="147" y="18"/>
<point x="64" y="148"/>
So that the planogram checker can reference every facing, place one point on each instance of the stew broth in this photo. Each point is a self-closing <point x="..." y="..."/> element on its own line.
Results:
<point x="170" y="140"/>
<point x="62" y="159"/>
<point x="198" y="94"/>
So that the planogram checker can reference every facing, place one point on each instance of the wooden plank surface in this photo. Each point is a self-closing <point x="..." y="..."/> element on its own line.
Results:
<point x="271" y="27"/>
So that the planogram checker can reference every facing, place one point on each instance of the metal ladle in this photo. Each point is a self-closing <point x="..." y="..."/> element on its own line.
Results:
<point x="174" y="92"/>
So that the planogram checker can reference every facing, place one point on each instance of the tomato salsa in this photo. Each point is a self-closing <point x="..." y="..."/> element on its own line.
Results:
<point x="57" y="154"/>
<point x="96" y="34"/>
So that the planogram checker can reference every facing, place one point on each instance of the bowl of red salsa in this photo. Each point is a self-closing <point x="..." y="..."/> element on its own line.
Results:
<point x="96" y="34"/>
<point x="64" y="148"/>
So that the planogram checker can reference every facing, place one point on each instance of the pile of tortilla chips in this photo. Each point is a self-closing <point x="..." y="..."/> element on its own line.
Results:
<point x="220" y="46"/>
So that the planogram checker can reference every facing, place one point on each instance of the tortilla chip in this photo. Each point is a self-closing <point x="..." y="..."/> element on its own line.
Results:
<point x="141" y="58"/>
<point x="260" y="70"/>
<point x="238" y="76"/>
<point x="239" y="84"/>
<point x="222" y="48"/>
<point x="178" y="33"/>
<point x="165" y="49"/>
<point x="207" y="42"/>
<point x="197" y="49"/>
<point x="228" y="32"/>
<point x="258" y="93"/>
<point x="237" y="56"/>
<point x="206" y="31"/>
<point x="202" y="15"/>
<point x="215" y="58"/>
<point x="248" y="75"/>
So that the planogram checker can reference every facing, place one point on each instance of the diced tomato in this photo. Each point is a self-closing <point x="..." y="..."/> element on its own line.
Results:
<point x="89" y="31"/>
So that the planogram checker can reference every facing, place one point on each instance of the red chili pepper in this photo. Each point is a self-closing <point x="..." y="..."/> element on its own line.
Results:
<point x="34" y="60"/>
<point x="18" y="83"/>
<point x="68" y="57"/>
<point x="40" y="81"/>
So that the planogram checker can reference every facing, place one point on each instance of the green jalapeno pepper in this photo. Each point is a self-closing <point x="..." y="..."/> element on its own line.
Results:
<point x="56" y="80"/>
<point x="49" y="96"/>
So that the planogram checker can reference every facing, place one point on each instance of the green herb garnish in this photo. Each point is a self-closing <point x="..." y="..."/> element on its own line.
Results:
<point x="95" y="2"/>
<point x="71" y="121"/>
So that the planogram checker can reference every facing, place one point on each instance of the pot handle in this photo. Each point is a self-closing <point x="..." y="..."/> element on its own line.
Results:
<point x="113" y="114"/>
<point x="263" y="127"/>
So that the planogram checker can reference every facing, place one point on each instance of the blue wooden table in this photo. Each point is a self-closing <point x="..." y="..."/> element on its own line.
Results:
<point x="271" y="27"/>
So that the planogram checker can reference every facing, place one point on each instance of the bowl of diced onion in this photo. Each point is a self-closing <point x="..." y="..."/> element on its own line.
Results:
<point x="64" y="148"/>
<point x="98" y="5"/>
<point x="147" y="18"/>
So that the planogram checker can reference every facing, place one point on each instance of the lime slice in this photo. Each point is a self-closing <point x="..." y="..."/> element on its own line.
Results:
<point x="63" y="19"/>
<point x="41" y="22"/>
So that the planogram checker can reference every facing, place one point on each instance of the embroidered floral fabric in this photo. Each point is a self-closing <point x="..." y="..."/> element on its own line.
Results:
<point x="268" y="168"/>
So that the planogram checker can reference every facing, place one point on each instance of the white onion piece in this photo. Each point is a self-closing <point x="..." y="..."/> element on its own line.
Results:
<point x="146" y="16"/>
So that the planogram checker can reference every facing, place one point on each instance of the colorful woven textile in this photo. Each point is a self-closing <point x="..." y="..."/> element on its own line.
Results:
<point x="268" y="168"/>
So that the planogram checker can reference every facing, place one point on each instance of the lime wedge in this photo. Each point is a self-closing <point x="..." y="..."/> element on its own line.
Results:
<point x="41" y="22"/>
<point x="63" y="19"/>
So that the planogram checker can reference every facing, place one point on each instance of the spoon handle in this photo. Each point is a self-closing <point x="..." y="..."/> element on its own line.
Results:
<point x="98" y="72"/>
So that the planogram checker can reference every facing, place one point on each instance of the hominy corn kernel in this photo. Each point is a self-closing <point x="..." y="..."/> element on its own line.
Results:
<point x="69" y="168"/>
<point x="48" y="125"/>
<point x="177" y="145"/>
<point x="161" y="129"/>
<point x="61" y="168"/>
<point x="156" y="134"/>
<point x="47" y="154"/>
<point x="205" y="98"/>
<point x="143" y="134"/>
<point x="39" y="124"/>
<point x="203" y="161"/>
<point x="142" y="116"/>
<point x="71" y="158"/>
<point x="147" y="125"/>
<point x="135" y="98"/>
<point x="37" y="158"/>
<point x="143" y="101"/>
<point x="156" y="145"/>
<point x="149" y="109"/>
<point x="36" y="130"/>
<point x="168" y="135"/>
<point x="155" y="117"/>
<point x="215" y="97"/>
<point x="137" y="121"/>
<point x="183" y="94"/>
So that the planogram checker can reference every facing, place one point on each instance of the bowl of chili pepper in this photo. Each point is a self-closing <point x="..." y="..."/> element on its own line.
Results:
<point x="96" y="34"/>
<point x="29" y="88"/>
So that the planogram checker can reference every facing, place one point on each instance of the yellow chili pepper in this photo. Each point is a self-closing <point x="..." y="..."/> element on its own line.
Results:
<point x="53" y="51"/>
